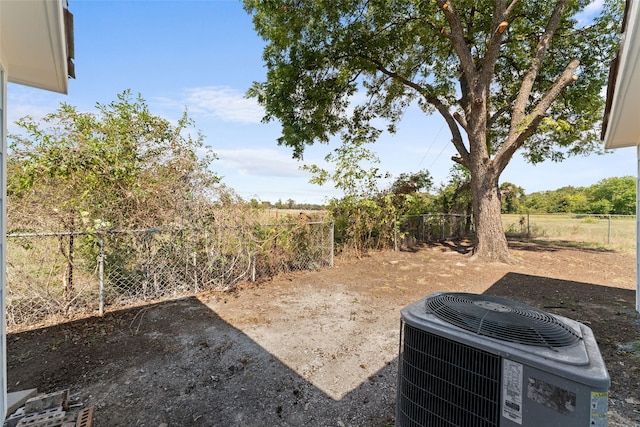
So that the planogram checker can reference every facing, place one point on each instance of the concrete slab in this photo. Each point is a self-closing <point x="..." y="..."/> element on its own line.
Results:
<point x="17" y="399"/>
<point x="47" y="401"/>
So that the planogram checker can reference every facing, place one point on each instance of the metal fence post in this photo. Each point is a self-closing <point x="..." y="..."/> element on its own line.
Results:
<point x="331" y="242"/>
<point x="195" y="271"/>
<point x="609" y="231"/>
<point x="252" y="261"/>
<point x="395" y="234"/>
<point x="101" y="273"/>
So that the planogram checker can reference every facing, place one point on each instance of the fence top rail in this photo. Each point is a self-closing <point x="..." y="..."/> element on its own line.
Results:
<point x="570" y="214"/>
<point x="438" y="215"/>
<point x="152" y="230"/>
<point x="291" y="224"/>
<point x="82" y="233"/>
<point x="50" y="234"/>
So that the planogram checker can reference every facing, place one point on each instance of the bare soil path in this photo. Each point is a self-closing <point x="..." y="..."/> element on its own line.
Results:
<point x="314" y="348"/>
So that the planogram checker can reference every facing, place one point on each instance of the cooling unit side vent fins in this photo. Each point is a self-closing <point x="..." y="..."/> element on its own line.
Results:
<point x="444" y="383"/>
<point x="502" y="319"/>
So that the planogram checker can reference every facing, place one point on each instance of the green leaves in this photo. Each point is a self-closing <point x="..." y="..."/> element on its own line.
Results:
<point x="354" y="172"/>
<point x="121" y="165"/>
<point x="319" y="53"/>
<point x="615" y="196"/>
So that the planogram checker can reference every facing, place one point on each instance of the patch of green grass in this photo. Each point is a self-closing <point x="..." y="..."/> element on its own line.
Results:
<point x="631" y="347"/>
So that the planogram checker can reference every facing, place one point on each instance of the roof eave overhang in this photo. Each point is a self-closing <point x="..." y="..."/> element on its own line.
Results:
<point x="622" y="120"/>
<point x="37" y="43"/>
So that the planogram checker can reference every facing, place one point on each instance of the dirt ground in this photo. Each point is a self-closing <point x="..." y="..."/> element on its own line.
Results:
<point x="314" y="348"/>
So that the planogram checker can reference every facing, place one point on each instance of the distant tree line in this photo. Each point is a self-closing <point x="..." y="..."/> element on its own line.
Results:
<point x="289" y="204"/>
<point x="610" y="196"/>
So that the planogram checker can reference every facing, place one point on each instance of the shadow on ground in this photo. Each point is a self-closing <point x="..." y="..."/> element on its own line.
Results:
<point x="179" y="363"/>
<point x="540" y="245"/>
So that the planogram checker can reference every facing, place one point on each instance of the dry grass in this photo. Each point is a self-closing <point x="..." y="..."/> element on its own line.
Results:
<point x="615" y="233"/>
<point x="275" y="215"/>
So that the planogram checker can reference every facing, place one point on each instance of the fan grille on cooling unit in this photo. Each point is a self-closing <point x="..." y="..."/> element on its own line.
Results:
<point x="502" y="319"/>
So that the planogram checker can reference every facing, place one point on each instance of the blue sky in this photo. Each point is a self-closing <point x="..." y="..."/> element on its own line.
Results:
<point x="203" y="56"/>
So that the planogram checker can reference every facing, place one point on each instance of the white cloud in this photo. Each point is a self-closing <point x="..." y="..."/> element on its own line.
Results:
<point x="260" y="162"/>
<point x="223" y="103"/>
<point x="24" y="101"/>
<point x="585" y="17"/>
<point x="594" y="7"/>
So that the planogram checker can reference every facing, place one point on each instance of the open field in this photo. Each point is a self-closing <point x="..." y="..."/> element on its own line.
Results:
<point x="615" y="232"/>
<point x="274" y="215"/>
<point x="314" y="348"/>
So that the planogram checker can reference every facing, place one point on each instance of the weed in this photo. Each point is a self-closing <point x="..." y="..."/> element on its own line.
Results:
<point x="55" y="343"/>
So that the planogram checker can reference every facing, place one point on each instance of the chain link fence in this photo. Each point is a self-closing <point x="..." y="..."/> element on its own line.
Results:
<point x="60" y="274"/>
<point x="611" y="231"/>
<point x="426" y="228"/>
<point x="52" y="275"/>
<point x="616" y="232"/>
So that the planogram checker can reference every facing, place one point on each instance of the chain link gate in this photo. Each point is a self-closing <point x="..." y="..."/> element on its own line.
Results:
<point x="426" y="228"/>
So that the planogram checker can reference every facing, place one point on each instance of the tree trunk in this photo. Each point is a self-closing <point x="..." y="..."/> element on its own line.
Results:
<point x="491" y="242"/>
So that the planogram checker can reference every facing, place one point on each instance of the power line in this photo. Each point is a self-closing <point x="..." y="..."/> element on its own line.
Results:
<point x="439" y="154"/>
<point x="431" y="145"/>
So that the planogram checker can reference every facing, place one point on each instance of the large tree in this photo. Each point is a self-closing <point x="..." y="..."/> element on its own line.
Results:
<point x="504" y="75"/>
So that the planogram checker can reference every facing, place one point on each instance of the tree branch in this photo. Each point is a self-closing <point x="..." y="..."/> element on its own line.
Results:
<point x="530" y="76"/>
<point x="461" y="120"/>
<point x="456" y="36"/>
<point x="442" y="109"/>
<point x="510" y="8"/>
<point x="493" y="49"/>
<point x="492" y="119"/>
<point x="459" y="161"/>
<point x="529" y="124"/>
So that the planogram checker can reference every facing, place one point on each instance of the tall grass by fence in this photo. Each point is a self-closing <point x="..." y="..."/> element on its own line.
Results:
<point x="46" y="279"/>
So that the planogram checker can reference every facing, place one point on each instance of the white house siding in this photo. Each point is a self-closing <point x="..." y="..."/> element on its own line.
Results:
<point x="623" y="128"/>
<point x="3" y="241"/>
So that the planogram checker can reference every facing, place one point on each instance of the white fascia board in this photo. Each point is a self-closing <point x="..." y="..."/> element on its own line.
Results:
<point x="624" y="125"/>
<point x="34" y="43"/>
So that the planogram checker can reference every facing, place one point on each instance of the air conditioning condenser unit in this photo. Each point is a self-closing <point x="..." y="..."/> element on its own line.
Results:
<point x="469" y="360"/>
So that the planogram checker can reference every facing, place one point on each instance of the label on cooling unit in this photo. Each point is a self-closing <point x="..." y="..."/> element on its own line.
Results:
<point x="512" y="390"/>
<point x="551" y="396"/>
<point x="599" y="408"/>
